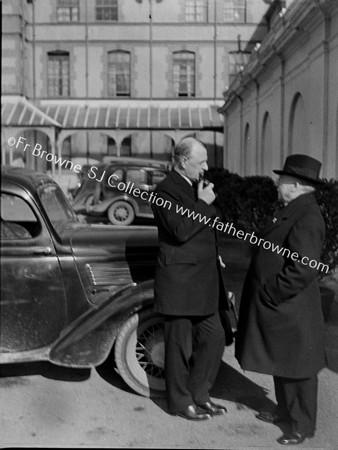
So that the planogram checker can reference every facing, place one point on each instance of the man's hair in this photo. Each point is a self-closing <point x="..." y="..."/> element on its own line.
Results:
<point x="306" y="186"/>
<point x="184" y="146"/>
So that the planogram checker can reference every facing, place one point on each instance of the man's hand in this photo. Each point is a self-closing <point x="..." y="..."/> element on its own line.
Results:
<point x="206" y="194"/>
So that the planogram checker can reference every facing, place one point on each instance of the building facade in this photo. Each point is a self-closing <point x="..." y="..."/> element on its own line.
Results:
<point x="285" y="100"/>
<point x="90" y="78"/>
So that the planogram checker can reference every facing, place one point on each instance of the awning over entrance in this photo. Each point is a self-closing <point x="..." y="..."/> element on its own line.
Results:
<point x="142" y="116"/>
<point x="21" y="113"/>
<point x="114" y="114"/>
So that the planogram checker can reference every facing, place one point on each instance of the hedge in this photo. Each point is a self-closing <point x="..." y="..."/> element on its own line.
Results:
<point x="248" y="202"/>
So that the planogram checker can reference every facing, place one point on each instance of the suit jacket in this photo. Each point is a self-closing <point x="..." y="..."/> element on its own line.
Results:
<point x="187" y="278"/>
<point x="281" y="327"/>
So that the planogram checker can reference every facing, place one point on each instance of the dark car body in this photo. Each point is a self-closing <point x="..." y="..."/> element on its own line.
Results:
<point x="68" y="288"/>
<point x="108" y="190"/>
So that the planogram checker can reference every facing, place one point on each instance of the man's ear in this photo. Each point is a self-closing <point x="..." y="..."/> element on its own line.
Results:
<point x="183" y="161"/>
<point x="295" y="186"/>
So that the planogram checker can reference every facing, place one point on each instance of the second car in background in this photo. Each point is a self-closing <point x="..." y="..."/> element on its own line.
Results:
<point x="108" y="189"/>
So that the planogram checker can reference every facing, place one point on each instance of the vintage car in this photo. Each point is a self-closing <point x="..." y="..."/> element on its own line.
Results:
<point x="119" y="189"/>
<point x="73" y="292"/>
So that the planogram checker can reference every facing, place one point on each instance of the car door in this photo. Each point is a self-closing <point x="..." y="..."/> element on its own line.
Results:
<point x="33" y="301"/>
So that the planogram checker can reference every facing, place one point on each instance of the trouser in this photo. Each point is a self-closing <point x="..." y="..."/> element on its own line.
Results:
<point x="193" y="354"/>
<point x="297" y="402"/>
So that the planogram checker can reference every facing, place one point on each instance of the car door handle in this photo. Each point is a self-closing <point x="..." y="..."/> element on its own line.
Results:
<point x="42" y="251"/>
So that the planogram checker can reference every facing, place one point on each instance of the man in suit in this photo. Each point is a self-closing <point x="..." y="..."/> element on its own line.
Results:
<point x="187" y="285"/>
<point x="281" y="328"/>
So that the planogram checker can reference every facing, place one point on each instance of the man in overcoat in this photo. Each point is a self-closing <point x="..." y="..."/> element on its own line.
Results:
<point x="281" y="328"/>
<point x="187" y="284"/>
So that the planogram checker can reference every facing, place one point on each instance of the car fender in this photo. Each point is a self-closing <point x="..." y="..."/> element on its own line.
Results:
<point x="89" y="341"/>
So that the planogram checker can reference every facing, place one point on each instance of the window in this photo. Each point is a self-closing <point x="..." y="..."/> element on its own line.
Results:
<point x="237" y="61"/>
<point x="68" y="11"/>
<point x="137" y="176"/>
<point x="184" y="74"/>
<point x="119" y="74"/>
<point x="56" y="205"/>
<point x="234" y="11"/>
<point x="113" y="177"/>
<point x="195" y="11"/>
<point x="106" y="10"/>
<point x="17" y="219"/>
<point x="58" y="74"/>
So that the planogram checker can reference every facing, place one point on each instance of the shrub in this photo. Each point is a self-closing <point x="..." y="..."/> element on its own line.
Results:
<point x="245" y="201"/>
<point x="327" y="198"/>
<point x="248" y="202"/>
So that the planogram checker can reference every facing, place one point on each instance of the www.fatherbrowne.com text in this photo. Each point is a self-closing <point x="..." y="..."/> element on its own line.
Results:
<point x="152" y="197"/>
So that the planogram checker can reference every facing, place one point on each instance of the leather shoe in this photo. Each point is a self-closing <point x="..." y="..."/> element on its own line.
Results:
<point x="212" y="408"/>
<point x="292" y="438"/>
<point x="266" y="416"/>
<point x="193" y="412"/>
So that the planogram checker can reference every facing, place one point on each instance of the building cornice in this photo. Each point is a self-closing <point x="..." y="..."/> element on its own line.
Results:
<point x="282" y="34"/>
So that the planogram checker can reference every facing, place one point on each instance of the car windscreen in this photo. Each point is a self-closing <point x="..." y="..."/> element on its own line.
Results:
<point x="56" y="205"/>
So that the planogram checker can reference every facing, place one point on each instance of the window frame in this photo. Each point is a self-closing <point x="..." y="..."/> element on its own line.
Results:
<point x="68" y="6"/>
<point x="196" y="11"/>
<point x="58" y="82"/>
<point x="26" y="212"/>
<point x="106" y="6"/>
<point x="178" y="78"/>
<point x="113" y="78"/>
<point x="233" y="7"/>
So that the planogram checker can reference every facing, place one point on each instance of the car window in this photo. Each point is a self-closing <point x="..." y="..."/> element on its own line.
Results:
<point x="56" y="205"/>
<point x="157" y="176"/>
<point x="18" y="220"/>
<point x="113" y="177"/>
<point x="137" y="176"/>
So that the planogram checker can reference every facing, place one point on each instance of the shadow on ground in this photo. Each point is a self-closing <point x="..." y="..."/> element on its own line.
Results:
<point x="44" y="369"/>
<point x="233" y="386"/>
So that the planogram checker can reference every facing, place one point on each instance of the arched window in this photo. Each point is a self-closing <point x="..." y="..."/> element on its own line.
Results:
<point x="119" y="74"/>
<point x="58" y="74"/>
<point x="184" y="74"/>
<point x="298" y="139"/>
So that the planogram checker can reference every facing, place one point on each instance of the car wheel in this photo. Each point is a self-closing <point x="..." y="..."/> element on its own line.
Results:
<point x="121" y="213"/>
<point x="139" y="353"/>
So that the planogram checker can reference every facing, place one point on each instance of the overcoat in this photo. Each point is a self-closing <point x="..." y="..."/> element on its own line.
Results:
<point x="187" y="280"/>
<point x="281" y="327"/>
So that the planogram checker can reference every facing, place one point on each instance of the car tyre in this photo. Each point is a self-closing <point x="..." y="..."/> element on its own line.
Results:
<point x="121" y="213"/>
<point x="139" y="353"/>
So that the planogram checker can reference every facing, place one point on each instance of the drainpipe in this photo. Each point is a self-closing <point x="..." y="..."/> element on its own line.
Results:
<point x="33" y="51"/>
<point x="23" y="51"/>
<point x="241" y="149"/>
<point x="87" y="74"/>
<point x="282" y="151"/>
<point x="258" y="159"/>
<point x="327" y="24"/>
<point x="215" y="77"/>
<point x="86" y="45"/>
<point x="215" y="51"/>
<point x="151" y="69"/>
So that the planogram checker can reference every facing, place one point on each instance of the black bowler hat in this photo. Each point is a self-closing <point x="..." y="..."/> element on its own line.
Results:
<point x="302" y="166"/>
